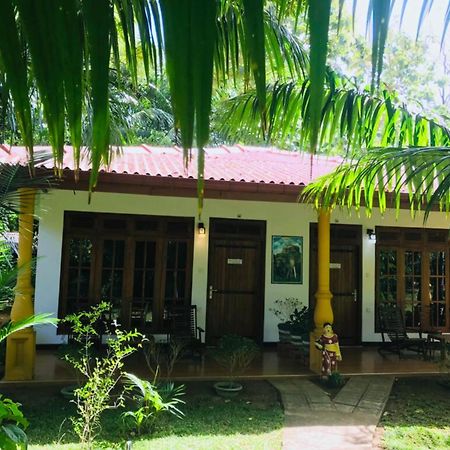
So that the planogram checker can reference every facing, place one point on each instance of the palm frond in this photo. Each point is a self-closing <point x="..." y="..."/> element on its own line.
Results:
<point x="38" y="319"/>
<point x="360" y="118"/>
<point x="383" y="177"/>
<point x="15" y="176"/>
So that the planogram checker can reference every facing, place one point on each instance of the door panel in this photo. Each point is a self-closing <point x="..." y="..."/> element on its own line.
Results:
<point x="235" y="288"/>
<point x="344" y="287"/>
<point x="345" y="281"/>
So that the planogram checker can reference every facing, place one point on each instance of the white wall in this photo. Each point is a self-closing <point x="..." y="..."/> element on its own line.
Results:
<point x="281" y="218"/>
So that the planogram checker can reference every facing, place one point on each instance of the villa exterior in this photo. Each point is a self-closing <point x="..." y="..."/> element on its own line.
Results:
<point x="139" y="244"/>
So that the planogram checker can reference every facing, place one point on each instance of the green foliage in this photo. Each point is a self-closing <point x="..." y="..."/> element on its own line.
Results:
<point x="386" y="174"/>
<point x="335" y="380"/>
<point x="12" y="425"/>
<point x="235" y="354"/>
<point x="284" y="308"/>
<point x="102" y="373"/>
<point x="38" y="319"/>
<point x="161" y="355"/>
<point x="151" y="401"/>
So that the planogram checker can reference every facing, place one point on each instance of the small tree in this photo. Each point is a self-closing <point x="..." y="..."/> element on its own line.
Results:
<point x="102" y="373"/>
<point x="235" y="354"/>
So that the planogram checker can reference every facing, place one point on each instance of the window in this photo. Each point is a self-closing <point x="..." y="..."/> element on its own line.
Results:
<point x="412" y="272"/>
<point x="142" y="265"/>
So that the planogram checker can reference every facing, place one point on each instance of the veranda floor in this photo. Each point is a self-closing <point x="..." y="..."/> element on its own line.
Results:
<point x="356" y="361"/>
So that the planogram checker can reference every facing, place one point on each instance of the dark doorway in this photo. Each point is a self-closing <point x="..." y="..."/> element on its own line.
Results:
<point x="235" y="296"/>
<point x="345" y="279"/>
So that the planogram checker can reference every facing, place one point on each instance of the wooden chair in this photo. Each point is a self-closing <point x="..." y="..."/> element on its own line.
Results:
<point x="392" y="326"/>
<point x="183" y="328"/>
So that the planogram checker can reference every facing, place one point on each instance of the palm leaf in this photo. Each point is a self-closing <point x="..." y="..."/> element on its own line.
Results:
<point x="318" y="20"/>
<point x="13" y="63"/>
<point x="98" y="19"/>
<point x="422" y="174"/>
<point x="38" y="319"/>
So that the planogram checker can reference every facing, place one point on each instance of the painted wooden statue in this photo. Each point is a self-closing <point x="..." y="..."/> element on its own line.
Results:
<point x="328" y="344"/>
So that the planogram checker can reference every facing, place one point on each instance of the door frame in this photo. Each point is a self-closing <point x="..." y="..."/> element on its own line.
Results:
<point x="337" y="242"/>
<point x="261" y="238"/>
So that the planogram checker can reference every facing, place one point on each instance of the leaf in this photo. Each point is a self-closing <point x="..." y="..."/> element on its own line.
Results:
<point x="12" y="58"/>
<point x="318" y="18"/>
<point x="253" y="20"/>
<point x="98" y="16"/>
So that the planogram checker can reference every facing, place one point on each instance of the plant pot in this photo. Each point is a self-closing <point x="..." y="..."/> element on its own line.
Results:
<point x="227" y="389"/>
<point x="284" y="332"/>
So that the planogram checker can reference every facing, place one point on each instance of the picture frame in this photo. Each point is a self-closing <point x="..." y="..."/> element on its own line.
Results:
<point x="287" y="260"/>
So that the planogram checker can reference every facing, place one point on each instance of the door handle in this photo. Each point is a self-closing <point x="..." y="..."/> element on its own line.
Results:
<point x="355" y="295"/>
<point x="211" y="292"/>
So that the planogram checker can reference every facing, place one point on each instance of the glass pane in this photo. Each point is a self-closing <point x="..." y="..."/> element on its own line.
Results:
<point x="72" y="290"/>
<point x="417" y="263"/>
<point x="106" y="284"/>
<point x="149" y="283"/>
<point x="150" y="256"/>
<point x="139" y="255"/>
<point x="170" y="284"/>
<point x="84" y="283"/>
<point x="441" y="263"/>
<point x="119" y="256"/>
<point x="392" y="289"/>
<point x="171" y="254"/>
<point x="117" y="284"/>
<point x="383" y="262"/>
<point x="108" y="253"/>
<point x="409" y="261"/>
<point x="137" y="285"/>
<point x="181" y="284"/>
<point x="182" y="255"/>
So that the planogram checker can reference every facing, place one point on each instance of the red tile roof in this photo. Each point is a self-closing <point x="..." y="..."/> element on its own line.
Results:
<point x="225" y="163"/>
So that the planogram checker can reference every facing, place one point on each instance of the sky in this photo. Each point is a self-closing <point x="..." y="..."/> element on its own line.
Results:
<point x="432" y="25"/>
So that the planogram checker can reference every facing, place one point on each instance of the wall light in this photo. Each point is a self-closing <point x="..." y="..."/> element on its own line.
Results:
<point x="201" y="228"/>
<point x="371" y="234"/>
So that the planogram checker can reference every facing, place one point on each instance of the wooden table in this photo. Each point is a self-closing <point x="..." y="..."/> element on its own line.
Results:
<point x="443" y="338"/>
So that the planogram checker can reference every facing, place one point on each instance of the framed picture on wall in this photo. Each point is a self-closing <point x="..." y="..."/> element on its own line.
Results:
<point x="287" y="260"/>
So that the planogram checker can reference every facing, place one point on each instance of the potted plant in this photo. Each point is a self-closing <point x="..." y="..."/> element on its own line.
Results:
<point x="301" y="325"/>
<point x="283" y="310"/>
<point x="235" y="353"/>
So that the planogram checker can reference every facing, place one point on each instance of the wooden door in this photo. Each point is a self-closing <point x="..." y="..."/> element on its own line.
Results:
<point x="345" y="280"/>
<point x="235" y="287"/>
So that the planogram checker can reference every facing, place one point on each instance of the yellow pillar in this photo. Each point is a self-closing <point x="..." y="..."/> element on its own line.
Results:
<point x="21" y="346"/>
<point x="322" y="312"/>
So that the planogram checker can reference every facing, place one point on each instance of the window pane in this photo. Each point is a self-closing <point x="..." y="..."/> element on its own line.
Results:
<point x="108" y="253"/>
<point x="119" y="255"/>
<point x="139" y="255"/>
<point x="170" y="284"/>
<point x="137" y="284"/>
<point x="182" y="255"/>
<point x="171" y="254"/>
<point x="150" y="255"/>
<point x="149" y="284"/>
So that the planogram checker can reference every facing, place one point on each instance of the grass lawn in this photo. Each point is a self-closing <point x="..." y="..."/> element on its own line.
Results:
<point x="252" y="421"/>
<point x="417" y="415"/>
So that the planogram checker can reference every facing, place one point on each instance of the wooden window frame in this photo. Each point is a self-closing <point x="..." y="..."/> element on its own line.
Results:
<point x="167" y="228"/>
<point x="425" y="245"/>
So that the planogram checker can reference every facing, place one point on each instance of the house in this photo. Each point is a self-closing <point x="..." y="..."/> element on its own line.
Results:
<point x="140" y="244"/>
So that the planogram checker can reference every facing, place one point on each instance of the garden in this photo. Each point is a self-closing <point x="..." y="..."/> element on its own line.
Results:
<point x="251" y="421"/>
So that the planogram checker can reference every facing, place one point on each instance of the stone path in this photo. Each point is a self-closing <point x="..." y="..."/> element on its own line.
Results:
<point x="314" y="422"/>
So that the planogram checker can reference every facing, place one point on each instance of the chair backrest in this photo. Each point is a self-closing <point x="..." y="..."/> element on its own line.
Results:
<point x="391" y="322"/>
<point x="183" y="320"/>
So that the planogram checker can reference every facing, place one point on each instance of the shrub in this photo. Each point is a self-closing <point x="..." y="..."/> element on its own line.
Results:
<point x="102" y="373"/>
<point x="151" y="402"/>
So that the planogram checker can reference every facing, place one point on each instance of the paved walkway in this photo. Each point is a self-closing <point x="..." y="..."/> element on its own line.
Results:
<point x="314" y="422"/>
